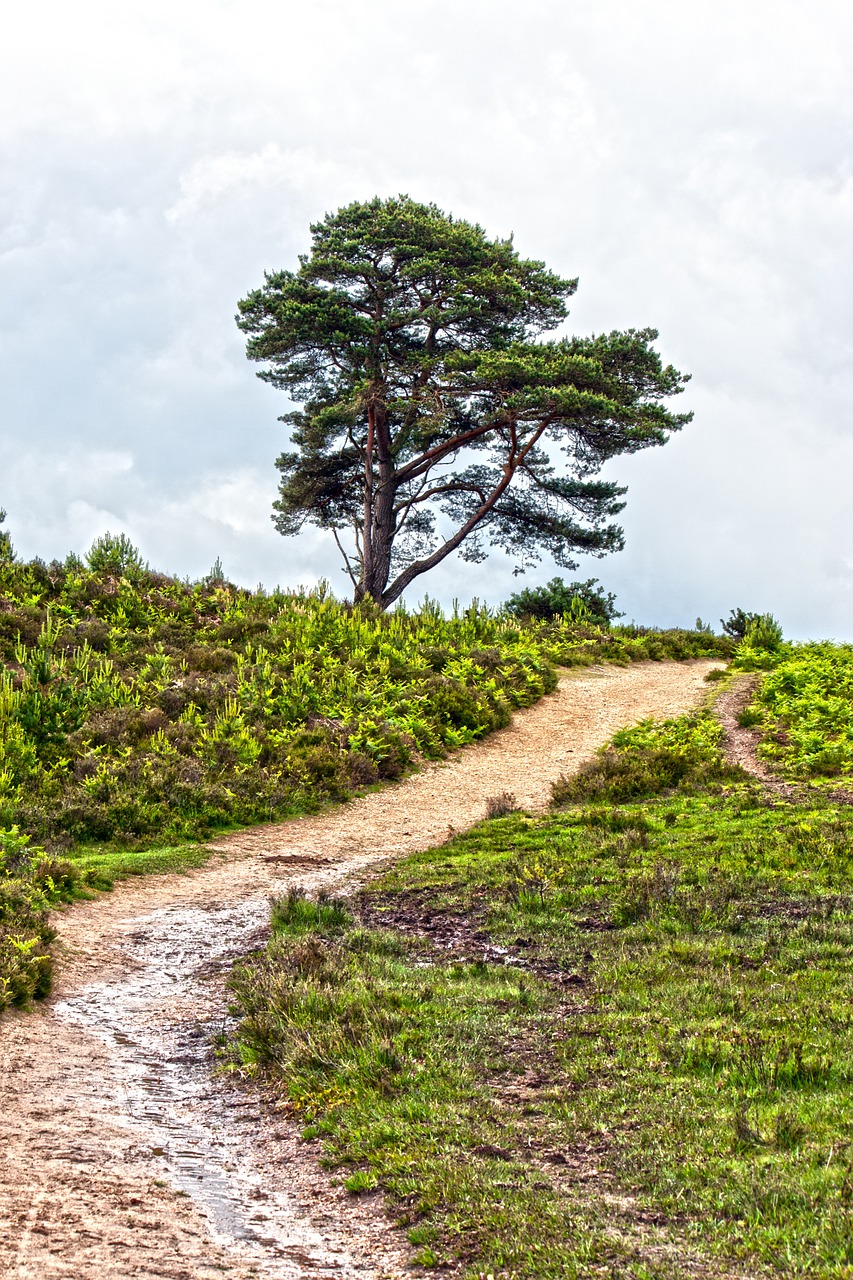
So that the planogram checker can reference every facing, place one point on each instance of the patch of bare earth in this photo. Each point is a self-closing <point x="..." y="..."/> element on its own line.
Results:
<point x="122" y="1154"/>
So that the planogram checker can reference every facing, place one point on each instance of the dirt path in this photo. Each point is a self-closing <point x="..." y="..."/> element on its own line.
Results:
<point x="121" y="1154"/>
<point x="742" y="742"/>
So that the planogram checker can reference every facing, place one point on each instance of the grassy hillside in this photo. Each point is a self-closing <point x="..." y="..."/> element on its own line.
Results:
<point x="615" y="1040"/>
<point x="805" y="711"/>
<point x="139" y="712"/>
<point x="134" y="705"/>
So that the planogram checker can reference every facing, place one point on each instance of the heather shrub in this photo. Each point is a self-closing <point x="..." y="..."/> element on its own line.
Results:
<point x="650" y="758"/>
<point x="30" y="883"/>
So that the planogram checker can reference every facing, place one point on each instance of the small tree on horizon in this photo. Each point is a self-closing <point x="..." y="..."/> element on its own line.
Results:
<point x="556" y="598"/>
<point x="413" y="344"/>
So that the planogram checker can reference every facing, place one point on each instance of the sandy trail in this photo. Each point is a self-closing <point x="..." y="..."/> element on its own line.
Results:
<point x="122" y="1155"/>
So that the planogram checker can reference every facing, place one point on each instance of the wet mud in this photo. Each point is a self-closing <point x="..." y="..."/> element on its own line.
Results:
<point x="159" y="1024"/>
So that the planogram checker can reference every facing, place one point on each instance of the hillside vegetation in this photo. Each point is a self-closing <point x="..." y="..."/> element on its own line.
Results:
<point x="805" y="711"/>
<point x="134" y="704"/>
<point x="613" y="1040"/>
<point x="139" y="712"/>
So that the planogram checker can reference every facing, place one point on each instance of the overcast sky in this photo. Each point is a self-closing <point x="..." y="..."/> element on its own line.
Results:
<point x="691" y="163"/>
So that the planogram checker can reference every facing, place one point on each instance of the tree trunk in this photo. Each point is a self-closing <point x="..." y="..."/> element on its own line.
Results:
<point x="378" y="531"/>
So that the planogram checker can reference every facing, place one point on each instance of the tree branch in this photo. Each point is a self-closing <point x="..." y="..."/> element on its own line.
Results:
<point x="421" y="465"/>
<point x="398" y="586"/>
<point x="353" y="579"/>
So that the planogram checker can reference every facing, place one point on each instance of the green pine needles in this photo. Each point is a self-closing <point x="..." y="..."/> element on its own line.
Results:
<point x="432" y="409"/>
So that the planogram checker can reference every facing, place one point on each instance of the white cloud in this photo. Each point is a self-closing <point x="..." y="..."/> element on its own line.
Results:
<point x="213" y="179"/>
<point x="690" y="163"/>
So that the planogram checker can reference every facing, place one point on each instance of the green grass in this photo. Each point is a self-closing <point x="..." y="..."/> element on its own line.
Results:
<point x="105" y="865"/>
<point x="658" y="1074"/>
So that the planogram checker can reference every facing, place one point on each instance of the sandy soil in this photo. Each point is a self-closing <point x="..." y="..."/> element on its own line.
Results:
<point x="122" y="1154"/>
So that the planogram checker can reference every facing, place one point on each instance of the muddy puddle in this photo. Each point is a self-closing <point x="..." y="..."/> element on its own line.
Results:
<point x="159" y="1021"/>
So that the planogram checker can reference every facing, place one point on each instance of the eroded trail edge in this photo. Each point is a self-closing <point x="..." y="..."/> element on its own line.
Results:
<point x="122" y="1153"/>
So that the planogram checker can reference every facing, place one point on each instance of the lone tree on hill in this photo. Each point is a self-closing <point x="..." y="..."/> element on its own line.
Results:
<point x="413" y="344"/>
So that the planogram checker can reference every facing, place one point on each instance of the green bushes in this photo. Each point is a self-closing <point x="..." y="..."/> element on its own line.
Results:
<point x="132" y="704"/>
<point x="804" y="707"/>
<point x="586" y="601"/>
<point x="651" y="758"/>
<point x="30" y="883"/>
<point x="569" y="643"/>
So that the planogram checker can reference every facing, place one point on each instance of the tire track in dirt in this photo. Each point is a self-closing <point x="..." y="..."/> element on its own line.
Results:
<point x="122" y="1155"/>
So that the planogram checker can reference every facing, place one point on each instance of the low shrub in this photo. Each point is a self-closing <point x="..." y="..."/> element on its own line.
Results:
<point x="501" y="805"/>
<point x="651" y="758"/>
<point x="764" y="632"/>
<point x="581" y="601"/>
<point x="30" y="883"/>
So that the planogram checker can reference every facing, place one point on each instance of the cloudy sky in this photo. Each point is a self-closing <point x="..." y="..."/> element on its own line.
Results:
<point x="691" y="163"/>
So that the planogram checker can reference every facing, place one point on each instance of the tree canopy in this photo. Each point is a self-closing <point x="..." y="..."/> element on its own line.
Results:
<point x="432" y="414"/>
